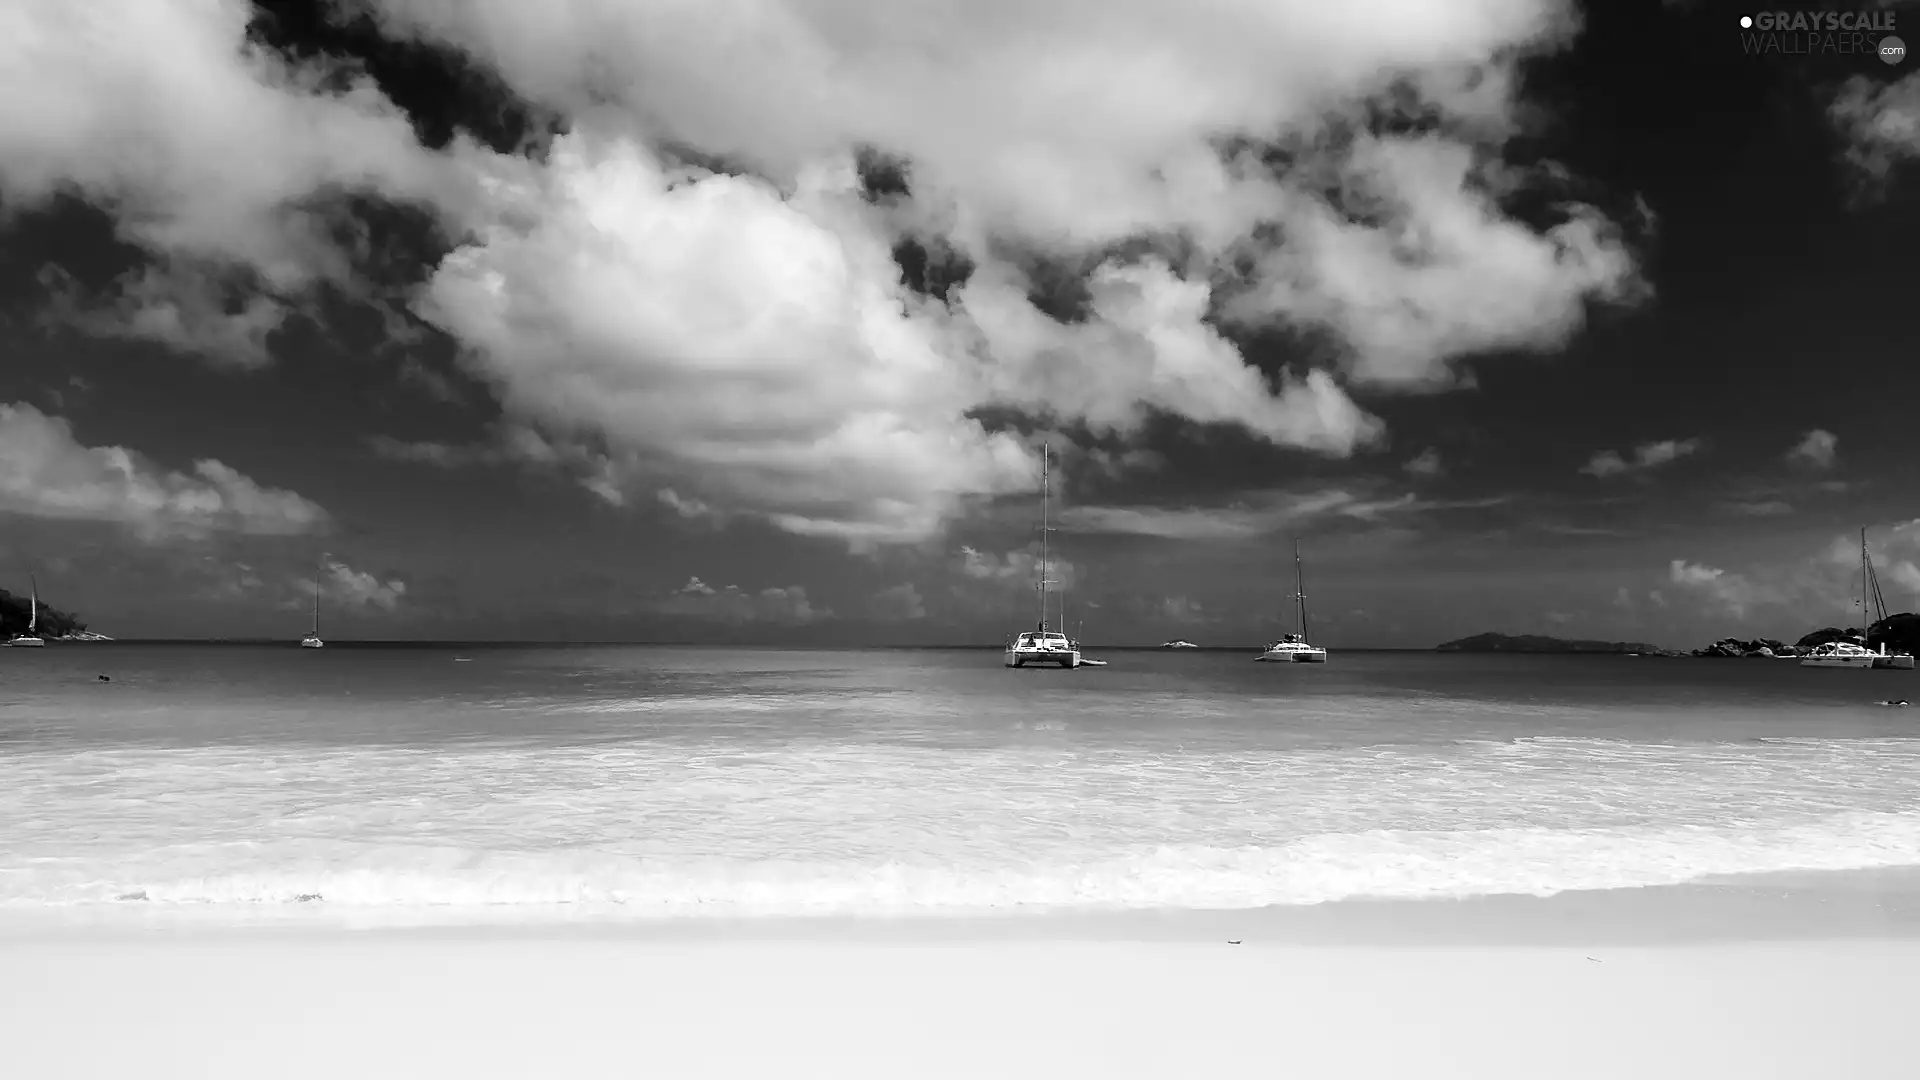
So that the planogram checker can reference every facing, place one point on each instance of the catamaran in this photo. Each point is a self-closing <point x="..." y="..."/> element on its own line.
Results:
<point x="31" y="639"/>
<point x="1293" y="648"/>
<point x="1041" y="645"/>
<point x="312" y="640"/>
<point x="1870" y="587"/>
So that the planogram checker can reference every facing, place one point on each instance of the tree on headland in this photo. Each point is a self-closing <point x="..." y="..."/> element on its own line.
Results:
<point x="17" y="611"/>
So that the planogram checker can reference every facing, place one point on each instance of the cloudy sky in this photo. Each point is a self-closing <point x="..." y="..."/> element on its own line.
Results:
<point x="747" y="319"/>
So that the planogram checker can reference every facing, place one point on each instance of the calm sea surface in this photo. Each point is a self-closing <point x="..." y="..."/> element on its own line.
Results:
<point x="634" y="782"/>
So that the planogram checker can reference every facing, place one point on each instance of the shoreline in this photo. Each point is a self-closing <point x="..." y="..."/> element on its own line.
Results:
<point x="1787" y="906"/>
<point x="1486" y="989"/>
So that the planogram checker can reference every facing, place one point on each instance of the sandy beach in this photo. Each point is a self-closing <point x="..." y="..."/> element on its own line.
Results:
<point x="1772" y="979"/>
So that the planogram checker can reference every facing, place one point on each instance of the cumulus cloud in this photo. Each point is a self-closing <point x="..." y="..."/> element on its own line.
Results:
<point x="513" y="444"/>
<point x="1019" y="568"/>
<point x="1815" y="450"/>
<point x="1729" y="591"/>
<point x="747" y="342"/>
<point x="735" y="605"/>
<point x="900" y="603"/>
<point x="1880" y="122"/>
<point x="218" y="157"/>
<point x="46" y="472"/>
<point x="1646" y="456"/>
<point x="342" y="586"/>
<point x="1426" y="463"/>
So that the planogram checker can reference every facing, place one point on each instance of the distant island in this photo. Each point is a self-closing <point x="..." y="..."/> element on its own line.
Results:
<point x="55" y="625"/>
<point x="1179" y="643"/>
<point x="1539" y="643"/>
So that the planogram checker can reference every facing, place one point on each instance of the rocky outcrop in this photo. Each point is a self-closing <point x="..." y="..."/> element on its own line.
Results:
<point x="1538" y="643"/>
<point x="1899" y="633"/>
<point x="16" y="611"/>
<point x="1754" y="648"/>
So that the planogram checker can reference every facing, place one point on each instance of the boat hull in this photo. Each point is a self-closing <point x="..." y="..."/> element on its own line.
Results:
<point x="26" y="643"/>
<point x="1315" y="656"/>
<point x="1066" y="658"/>
<point x="312" y="643"/>
<point x="1861" y="662"/>
<point x="1895" y="662"/>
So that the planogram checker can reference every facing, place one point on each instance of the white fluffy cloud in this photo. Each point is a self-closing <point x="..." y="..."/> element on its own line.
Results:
<point x="1646" y="456"/>
<point x="1817" y="449"/>
<point x="747" y="344"/>
<point x="735" y="605"/>
<point x="1881" y="124"/>
<point x="45" y="472"/>
<point x="1732" y="592"/>
<point x="211" y="153"/>
<point x="343" y="586"/>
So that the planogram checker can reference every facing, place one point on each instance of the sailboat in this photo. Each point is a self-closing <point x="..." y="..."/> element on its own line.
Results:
<point x="312" y="640"/>
<point x="1870" y="587"/>
<point x="31" y="639"/>
<point x="1293" y="648"/>
<point x="1040" y="645"/>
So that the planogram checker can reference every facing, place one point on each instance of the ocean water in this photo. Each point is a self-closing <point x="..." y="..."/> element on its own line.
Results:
<point x="640" y="782"/>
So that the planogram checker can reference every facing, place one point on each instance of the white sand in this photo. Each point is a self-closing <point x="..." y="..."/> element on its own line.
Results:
<point x="990" y="1002"/>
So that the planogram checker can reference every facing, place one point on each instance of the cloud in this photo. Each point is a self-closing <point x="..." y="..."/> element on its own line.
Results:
<point x="343" y="586"/>
<point x="1880" y="122"/>
<point x="1017" y="568"/>
<point x="1731" y="592"/>
<point x="735" y="605"/>
<point x="513" y="444"/>
<point x="900" y="603"/>
<point x="46" y="473"/>
<point x="1815" y="450"/>
<point x="747" y="341"/>
<point x="1759" y="507"/>
<point x="1181" y="609"/>
<point x="1646" y="456"/>
<point x="222" y="160"/>
<point x="1426" y="463"/>
<point x="1256" y="514"/>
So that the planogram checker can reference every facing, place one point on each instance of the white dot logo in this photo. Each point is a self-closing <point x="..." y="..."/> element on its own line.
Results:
<point x="1892" y="50"/>
<point x="1746" y="22"/>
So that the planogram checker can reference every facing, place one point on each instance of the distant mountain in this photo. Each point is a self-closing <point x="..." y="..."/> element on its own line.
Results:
<point x="15" y="611"/>
<point x="1537" y="643"/>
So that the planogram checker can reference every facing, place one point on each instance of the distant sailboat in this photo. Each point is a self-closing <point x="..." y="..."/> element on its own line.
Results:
<point x="31" y="639"/>
<point x="312" y="640"/>
<point x="1293" y="648"/>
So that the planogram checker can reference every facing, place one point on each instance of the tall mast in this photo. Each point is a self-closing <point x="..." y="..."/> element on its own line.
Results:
<point x="1046" y="524"/>
<point x="316" y="597"/>
<point x="33" y="618"/>
<point x="1299" y="592"/>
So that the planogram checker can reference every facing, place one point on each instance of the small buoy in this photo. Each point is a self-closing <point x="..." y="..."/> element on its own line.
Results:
<point x="103" y="678"/>
<point x="1233" y="943"/>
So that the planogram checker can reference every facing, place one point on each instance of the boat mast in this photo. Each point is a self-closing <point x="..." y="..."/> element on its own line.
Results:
<point x="316" y="598"/>
<point x="33" y="617"/>
<point x="1299" y="592"/>
<point x="1046" y="524"/>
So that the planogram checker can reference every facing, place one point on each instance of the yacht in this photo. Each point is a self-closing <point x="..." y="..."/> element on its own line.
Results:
<point x="1041" y="645"/>
<point x="312" y="640"/>
<point x="1870" y="592"/>
<point x="1840" y="654"/>
<point x="1179" y="643"/>
<point x="1293" y="648"/>
<point x="31" y="639"/>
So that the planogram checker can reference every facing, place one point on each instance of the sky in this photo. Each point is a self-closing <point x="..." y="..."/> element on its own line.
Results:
<point x="748" y="321"/>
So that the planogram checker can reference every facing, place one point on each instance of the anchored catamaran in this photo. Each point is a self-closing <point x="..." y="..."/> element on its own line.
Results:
<point x="31" y="639"/>
<point x="1041" y="645"/>
<point x="1293" y="648"/>
<point x="312" y="640"/>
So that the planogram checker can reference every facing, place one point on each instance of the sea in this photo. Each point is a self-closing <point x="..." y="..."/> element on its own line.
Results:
<point x="465" y="783"/>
